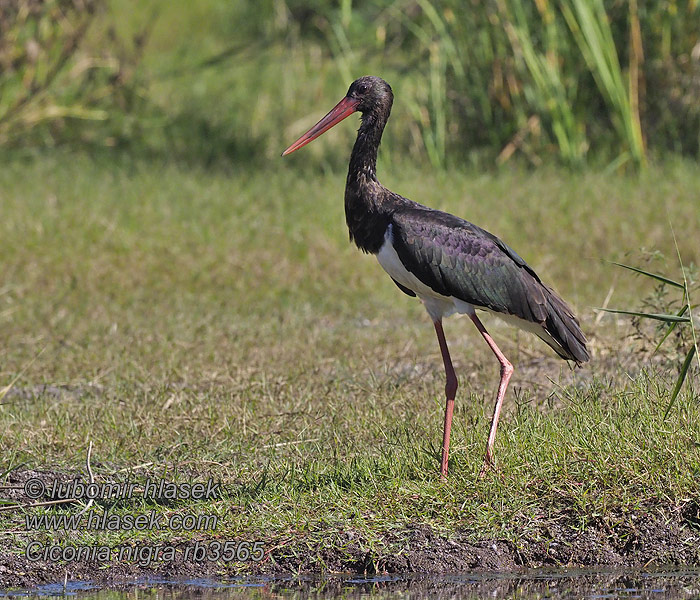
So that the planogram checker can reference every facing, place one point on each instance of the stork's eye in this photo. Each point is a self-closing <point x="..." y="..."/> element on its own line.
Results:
<point x="362" y="88"/>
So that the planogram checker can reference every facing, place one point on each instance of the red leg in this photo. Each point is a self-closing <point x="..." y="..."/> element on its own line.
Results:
<point x="506" y="372"/>
<point x="450" y="392"/>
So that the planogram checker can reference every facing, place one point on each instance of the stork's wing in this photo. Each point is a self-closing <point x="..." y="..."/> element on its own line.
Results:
<point x="456" y="258"/>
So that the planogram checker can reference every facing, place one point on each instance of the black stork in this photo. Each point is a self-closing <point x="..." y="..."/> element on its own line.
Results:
<point x="450" y="264"/>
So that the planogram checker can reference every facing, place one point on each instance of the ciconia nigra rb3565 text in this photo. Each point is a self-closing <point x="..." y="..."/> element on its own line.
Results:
<point x="448" y="263"/>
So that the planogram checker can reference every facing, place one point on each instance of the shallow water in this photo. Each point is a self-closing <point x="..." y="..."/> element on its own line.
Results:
<point x="673" y="583"/>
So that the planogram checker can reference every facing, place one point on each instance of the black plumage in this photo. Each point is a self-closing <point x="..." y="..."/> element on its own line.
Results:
<point x="449" y="263"/>
<point x="456" y="258"/>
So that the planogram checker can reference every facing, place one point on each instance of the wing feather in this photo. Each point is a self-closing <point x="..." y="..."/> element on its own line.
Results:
<point x="456" y="258"/>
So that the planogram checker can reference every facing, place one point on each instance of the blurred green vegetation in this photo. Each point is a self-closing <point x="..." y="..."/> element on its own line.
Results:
<point x="602" y="82"/>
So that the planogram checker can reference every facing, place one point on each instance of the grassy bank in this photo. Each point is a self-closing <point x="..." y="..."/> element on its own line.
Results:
<point x="197" y="324"/>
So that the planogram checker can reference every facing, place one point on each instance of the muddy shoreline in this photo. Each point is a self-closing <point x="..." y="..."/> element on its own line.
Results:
<point x="652" y="536"/>
<point x="655" y="540"/>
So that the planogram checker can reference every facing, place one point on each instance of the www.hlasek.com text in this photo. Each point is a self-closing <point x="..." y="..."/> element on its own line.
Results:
<point x="108" y="521"/>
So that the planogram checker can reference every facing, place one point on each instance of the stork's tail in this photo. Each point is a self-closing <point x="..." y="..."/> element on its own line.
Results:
<point x="563" y="332"/>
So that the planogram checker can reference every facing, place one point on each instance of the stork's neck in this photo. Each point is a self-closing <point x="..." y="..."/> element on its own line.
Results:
<point x="363" y="161"/>
<point x="367" y="202"/>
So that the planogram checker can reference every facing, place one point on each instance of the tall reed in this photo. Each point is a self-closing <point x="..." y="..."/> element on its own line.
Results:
<point x="549" y="93"/>
<point x="590" y="27"/>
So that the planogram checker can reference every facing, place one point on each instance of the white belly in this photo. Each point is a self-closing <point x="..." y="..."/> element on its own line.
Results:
<point x="437" y="305"/>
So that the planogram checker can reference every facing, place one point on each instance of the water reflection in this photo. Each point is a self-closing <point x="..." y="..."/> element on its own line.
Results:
<point x="532" y="584"/>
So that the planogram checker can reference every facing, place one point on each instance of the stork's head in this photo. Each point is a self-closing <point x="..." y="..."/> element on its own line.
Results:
<point x="372" y="96"/>
<point x="373" y="93"/>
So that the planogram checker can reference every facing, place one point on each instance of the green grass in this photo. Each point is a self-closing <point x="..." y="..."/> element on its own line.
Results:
<point x="218" y="324"/>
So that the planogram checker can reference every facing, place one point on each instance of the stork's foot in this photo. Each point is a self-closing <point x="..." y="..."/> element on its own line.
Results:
<point x="488" y="466"/>
<point x="443" y="466"/>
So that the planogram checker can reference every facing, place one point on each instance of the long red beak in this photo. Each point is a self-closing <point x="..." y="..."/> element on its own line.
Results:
<point x="340" y="111"/>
